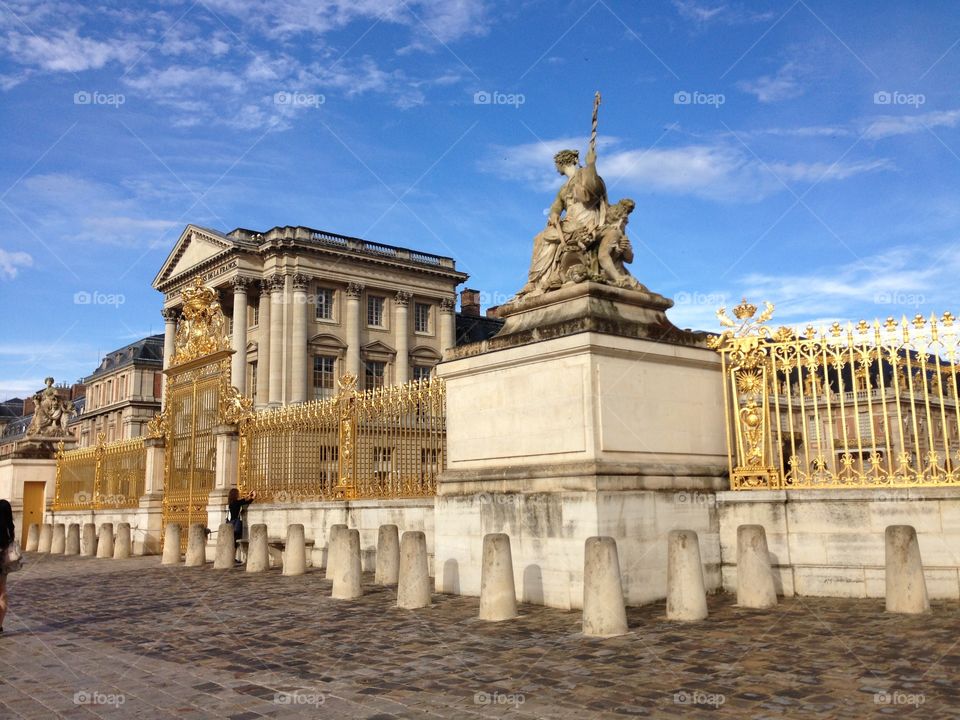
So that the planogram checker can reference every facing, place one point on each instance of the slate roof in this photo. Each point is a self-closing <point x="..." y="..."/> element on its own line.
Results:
<point x="148" y="351"/>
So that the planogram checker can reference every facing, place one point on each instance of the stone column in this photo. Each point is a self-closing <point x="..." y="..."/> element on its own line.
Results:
<point x="298" y="365"/>
<point x="401" y="371"/>
<point x="151" y="502"/>
<point x="238" y="364"/>
<point x="448" y="324"/>
<point x="354" y="291"/>
<point x="169" y="341"/>
<point x="262" y="396"/>
<point x="276" y="340"/>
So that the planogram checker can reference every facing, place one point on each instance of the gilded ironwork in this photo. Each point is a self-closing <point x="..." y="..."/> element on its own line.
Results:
<point x="202" y="330"/>
<point x="866" y="405"/>
<point x="106" y="475"/>
<point x="383" y="443"/>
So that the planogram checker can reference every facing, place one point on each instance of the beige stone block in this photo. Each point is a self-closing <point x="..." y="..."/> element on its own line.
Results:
<point x="821" y="581"/>
<point x="923" y="516"/>
<point x="855" y="548"/>
<point x="824" y="516"/>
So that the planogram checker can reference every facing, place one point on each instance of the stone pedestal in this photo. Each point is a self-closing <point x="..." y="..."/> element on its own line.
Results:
<point x="588" y="415"/>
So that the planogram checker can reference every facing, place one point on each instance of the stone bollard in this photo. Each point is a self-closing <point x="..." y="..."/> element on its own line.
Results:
<point x="258" y="556"/>
<point x="346" y="576"/>
<point x="413" y="589"/>
<point x="171" y="545"/>
<point x="123" y="547"/>
<point x="388" y="556"/>
<point x="88" y="542"/>
<point x="46" y="538"/>
<point x="295" y="551"/>
<point x="498" y="596"/>
<point x="686" y="595"/>
<point x="755" y="588"/>
<point x="196" y="546"/>
<point x="72" y="546"/>
<point x="33" y="538"/>
<point x="58" y="543"/>
<point x="226" y="548"/>
<point x="604" y="613"/>
<point x="906" y="587"/>
<point x="105" y="541"/>
<point x="332" y="546"/>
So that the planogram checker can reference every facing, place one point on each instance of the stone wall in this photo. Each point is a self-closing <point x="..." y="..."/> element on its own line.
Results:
<point x="830" y="543"/>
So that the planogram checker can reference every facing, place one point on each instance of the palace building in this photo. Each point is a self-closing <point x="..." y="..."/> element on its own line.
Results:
<point x="307" y="306"/>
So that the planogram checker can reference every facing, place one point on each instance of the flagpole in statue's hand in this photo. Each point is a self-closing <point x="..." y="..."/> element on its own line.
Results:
<point x="592" y="151"/>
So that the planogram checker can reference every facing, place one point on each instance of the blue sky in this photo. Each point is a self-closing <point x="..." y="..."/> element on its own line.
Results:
<point x="806" y="152"/>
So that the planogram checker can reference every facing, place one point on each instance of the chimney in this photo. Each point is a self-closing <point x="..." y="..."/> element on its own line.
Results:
<point x="470" y="302"/>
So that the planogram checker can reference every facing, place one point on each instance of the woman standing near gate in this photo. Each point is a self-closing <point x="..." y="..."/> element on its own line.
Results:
<point x="7" y="536"/>
<point x="235" y="508"/>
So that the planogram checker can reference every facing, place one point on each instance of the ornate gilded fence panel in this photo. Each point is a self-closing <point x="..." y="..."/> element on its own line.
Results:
<point x="107" y="475"/>
<point x="198" y="397"/>
<point x="866" y="405"/>
<point x="384" y="443"/>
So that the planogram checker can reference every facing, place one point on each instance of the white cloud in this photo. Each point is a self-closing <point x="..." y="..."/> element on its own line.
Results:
<point x="12" y="262"/>
<point x="67" y="51"/>
<point x="703" y="13"/>
<point x="785" y="84"/>
<point x="723" y="172"/>
<point x="892" y="125"/>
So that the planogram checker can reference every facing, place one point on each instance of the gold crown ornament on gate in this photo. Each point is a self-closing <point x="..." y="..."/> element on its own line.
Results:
<point x="202" y="330"/>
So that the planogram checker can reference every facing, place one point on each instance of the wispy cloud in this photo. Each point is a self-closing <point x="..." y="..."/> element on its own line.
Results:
<point x="782" y="85"/>
<point x="12" y="262"/>
<point x="725" y="13"/>
<point x="720" y="171"/>
<point x="892" y="125"/>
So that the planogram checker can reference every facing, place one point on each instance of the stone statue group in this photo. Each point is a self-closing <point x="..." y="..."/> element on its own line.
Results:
<point x="51" y="413"/>
<point x="585" y="238"/>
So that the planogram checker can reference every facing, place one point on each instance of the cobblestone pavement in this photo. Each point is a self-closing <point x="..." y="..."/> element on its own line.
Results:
<point x="130" y="638"/>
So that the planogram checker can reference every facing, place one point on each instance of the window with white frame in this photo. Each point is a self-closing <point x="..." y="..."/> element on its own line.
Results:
<point x="421" y="317"/>
<point x="324" y="304"/>
<point x="421" y="372"/>
<point x="375" y="305"/>
<point x="374" y="374"/>
<point x="323" y="376"/>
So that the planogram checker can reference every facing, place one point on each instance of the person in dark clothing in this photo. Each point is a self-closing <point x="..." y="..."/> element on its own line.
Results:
<point x="235" y="508"/>
<point x="7" y="535"/>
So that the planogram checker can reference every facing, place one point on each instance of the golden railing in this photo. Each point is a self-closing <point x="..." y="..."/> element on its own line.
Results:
<point x="107" y="475"/>
<point x="866" y="405"/>
<point x="384" y="443"/>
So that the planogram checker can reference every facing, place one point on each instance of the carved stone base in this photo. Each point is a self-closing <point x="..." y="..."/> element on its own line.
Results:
<point x="584" y="307"/>
<point x="41" y="447"/>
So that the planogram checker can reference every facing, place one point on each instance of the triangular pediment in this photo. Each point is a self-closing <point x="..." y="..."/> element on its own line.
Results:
<point x="195" y="247"/>
<point x="379" y="347"/>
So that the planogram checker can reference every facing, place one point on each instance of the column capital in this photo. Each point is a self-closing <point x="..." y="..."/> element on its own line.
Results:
<point x="170" y="314"/>
<point x="242" y="284"/>
<point x="447" y="304"/>
<point x="354" y="290"/>
<point x="402" y="298"/>
<point x="275" y="283"/>
<point x="300" y="282"/>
